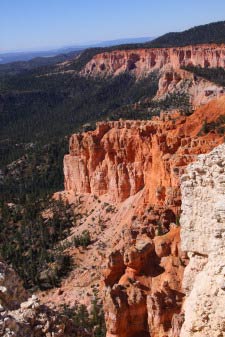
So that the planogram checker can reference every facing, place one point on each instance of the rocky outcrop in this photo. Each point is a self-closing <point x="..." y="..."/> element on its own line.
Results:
<point x="24" y="316"/>
<point x="203" y="237"/>
<point x="147" y="296"/>
<point x="34" y="320"/>
<point x="121" y="158"/>
<point x="136" y="166"/>
<point x="179" y="81"/>
<point x="141" y="62"/>
<point x="12" y="292"/>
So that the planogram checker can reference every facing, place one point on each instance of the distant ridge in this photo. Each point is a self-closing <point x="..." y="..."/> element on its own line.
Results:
<point x="204" y="34"/>
<point x="28" y="55"/>
<point x="209" y="33"/>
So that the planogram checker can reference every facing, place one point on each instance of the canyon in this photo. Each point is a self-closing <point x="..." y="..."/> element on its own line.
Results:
<point x="125" y="179"/>
<point x="168" y="64"/>
<point x="125" y="176"/>
<point x="150" y="193"/>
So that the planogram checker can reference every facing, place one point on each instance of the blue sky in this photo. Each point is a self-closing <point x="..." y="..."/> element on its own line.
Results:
<point x="38" y="24"/>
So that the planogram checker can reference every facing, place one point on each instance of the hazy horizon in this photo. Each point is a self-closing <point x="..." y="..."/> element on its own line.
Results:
<point x="34" y="26"/>
<point x="84" y="44"/>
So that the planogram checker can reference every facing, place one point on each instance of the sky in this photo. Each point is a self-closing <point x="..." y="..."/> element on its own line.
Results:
<point x="46" y="24"/>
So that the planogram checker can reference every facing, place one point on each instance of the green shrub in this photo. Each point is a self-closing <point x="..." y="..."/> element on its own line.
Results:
<point x="93" y="323"/>
<point x="82" y="240"/>
<point x="28" y="241"/>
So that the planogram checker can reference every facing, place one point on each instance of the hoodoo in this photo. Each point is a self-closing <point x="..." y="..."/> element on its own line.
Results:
<point x="139" y="164"/>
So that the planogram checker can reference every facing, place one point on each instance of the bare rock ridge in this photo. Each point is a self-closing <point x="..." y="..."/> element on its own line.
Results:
<point x="203" y="238"/>
<point x="143" y="61"/>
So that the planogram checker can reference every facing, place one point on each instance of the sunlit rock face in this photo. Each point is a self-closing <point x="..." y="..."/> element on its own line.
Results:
<point x="124" y="157"/>
<point x="137" y="165"/>
<point x="203" y="238"/>
<point x="141" y="62"/>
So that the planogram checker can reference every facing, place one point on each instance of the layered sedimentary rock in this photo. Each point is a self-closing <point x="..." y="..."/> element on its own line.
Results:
<point x="203" y="237"/>
<point x="136" y="165"/>
<point x="167" y="64"/>
<point x="121" y="158"/>
<point x="143" y="61"/>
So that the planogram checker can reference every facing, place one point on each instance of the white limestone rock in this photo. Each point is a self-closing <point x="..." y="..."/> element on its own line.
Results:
<point x="203" y="237"/>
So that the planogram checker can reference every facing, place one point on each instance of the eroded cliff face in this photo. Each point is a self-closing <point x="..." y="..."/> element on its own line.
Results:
<point x="147" y="293"/>
<point x="143" y="61"/>
<point x="167" y="63"/>
<point x="203" y="238"/>
<point x="179" y="81"/>
<point x="136" y="167"/>
<point x="122" y="158"/>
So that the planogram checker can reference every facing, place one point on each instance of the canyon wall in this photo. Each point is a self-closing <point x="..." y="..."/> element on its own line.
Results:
<point x="179" y="81"/>
<point x="167" y="64"/>
<point x="143" y="61"/>
<point x="143" y="283"/>
<point x="123" y="157"/>
<point x="203" y="237"/>
<point x="136" y="166"/>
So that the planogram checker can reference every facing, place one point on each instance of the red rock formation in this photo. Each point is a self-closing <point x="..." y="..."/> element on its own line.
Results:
<point x="143" y="61"/>
<point x="180" y="81"/>
<point x="145" y="299"/>
<point x="143" y="295"/>
<point x="121" y="158"/>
